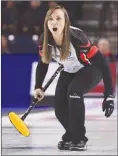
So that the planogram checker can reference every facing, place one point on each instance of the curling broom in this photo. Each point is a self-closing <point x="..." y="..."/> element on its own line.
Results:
<point x="18" y="122"/>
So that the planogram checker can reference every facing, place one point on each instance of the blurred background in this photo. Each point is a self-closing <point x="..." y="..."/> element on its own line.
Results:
<point x="21" y="26"/>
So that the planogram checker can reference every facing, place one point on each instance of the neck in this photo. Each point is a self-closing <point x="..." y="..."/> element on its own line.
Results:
<point x="58" y="39"/>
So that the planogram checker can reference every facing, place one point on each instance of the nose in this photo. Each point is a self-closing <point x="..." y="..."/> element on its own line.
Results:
<point x="54" y="22"/>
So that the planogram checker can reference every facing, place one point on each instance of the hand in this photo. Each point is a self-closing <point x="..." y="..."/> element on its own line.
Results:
<point x="38" y="94"/>
<point x="108" y="105"/>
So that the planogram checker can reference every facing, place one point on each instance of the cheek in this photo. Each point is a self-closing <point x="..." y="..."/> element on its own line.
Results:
<point x="62" y="25"/>
<point x="49" y="26"/>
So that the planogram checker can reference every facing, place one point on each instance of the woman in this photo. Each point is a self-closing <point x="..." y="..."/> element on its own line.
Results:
<point x="84" y="67"/>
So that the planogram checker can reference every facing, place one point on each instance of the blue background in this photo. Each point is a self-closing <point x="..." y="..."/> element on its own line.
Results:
<point x="15" y="79"/>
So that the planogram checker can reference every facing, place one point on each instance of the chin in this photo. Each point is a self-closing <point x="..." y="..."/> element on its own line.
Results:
<point x="55" y="32"/>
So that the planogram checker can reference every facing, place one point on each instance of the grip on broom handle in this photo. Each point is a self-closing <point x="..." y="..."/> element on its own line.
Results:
<point x="35" y="101"/>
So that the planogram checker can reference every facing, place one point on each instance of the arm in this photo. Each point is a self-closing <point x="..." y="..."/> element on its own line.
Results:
<point x="98" y="60"/>
<point x="101" y="63"/>
<point x="41" y="69"/>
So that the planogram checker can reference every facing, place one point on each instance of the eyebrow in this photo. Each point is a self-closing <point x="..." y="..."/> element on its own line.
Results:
<point x="56" y="16"/>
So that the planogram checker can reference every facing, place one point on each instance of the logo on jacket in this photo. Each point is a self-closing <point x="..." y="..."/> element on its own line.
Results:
<point x="70" y="57"/>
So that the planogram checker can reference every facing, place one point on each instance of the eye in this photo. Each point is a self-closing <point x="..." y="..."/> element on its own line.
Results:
<point x="58" y="18"/>
<point x="50" y="19"/>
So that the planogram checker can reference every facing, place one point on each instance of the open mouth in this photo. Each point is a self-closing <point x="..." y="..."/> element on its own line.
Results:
<point x="54" y="29"/>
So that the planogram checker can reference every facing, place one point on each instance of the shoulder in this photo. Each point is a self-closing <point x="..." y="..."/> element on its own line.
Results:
<point x="76" y="32"/>
<point x="41" y="39"/>
<point x="75" y="28"/>
<point x="79" y="35"/>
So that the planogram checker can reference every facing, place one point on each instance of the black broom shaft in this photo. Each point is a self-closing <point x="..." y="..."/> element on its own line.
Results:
<point x="52" y="78"/>
<point x="28" y="110"/>
<point x="34" y="103"/>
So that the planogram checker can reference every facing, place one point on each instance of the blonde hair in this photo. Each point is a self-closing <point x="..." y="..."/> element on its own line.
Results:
<point x="46" y="56"/>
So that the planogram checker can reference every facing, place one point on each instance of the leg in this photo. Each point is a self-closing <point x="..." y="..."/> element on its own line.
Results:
<point x="84" y="81"/>
<point x="61" y="102"/>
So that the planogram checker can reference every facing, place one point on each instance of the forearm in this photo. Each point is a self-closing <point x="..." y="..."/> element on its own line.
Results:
<point x="41" y="71"/>
<point x="101" y="63"/>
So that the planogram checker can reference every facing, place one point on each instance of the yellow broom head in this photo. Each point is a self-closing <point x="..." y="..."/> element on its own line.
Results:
<point x="19" y="124"/>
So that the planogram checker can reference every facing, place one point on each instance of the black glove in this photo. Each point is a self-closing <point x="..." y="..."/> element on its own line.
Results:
<point x="108" y="105"/>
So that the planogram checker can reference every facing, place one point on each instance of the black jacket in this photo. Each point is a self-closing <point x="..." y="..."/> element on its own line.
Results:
<point x="87" y="54"/>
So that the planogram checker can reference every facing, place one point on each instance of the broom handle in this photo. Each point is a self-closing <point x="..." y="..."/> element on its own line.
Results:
<point x="35" y="101"/>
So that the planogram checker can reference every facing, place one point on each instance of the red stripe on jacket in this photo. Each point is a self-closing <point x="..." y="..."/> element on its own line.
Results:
<point x="93" y="50"/>
<point x="85" y="57"/>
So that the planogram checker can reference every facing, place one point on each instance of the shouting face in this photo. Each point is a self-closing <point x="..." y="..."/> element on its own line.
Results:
<point x="56" y="22"/>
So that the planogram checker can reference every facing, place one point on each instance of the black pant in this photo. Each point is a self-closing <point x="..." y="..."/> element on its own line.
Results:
<point x="69" y="102"/>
